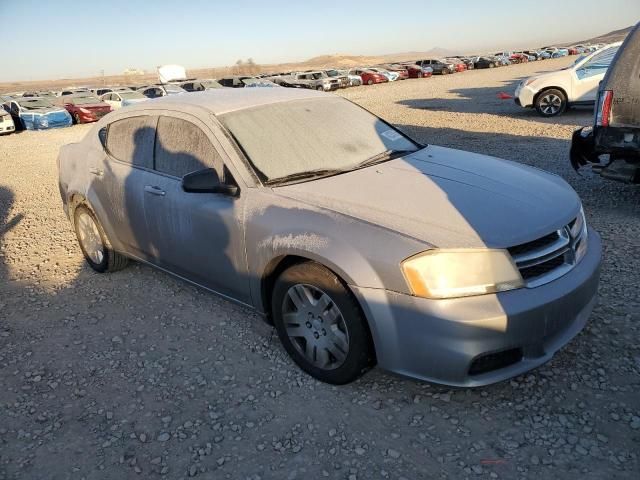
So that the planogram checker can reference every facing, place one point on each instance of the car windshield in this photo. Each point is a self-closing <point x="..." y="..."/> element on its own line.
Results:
<point x="323" y="135"/>
<point x="85" y="100"/>
<point x="35" y="104"/>
<point x="332" y="73"/>
<point x="131" y="95"/>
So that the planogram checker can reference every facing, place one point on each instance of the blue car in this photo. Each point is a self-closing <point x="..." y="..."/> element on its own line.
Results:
<point x="35" y="113"/>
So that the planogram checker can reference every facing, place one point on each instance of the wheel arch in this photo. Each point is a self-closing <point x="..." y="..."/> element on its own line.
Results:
<point x="562" y="89"/>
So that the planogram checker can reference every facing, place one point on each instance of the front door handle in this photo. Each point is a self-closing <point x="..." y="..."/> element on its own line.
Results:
<point x="154" y="190"/>
<point x="96" y="171"/>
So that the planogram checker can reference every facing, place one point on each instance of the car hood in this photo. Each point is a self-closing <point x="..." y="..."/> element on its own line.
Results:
<point x="448" y="198"/>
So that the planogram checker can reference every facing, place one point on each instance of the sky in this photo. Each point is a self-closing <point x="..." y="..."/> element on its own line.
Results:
<point x="51" y="39"/>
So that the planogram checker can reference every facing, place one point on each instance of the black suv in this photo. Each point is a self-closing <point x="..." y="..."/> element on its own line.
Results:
<point x="616" y="129"/>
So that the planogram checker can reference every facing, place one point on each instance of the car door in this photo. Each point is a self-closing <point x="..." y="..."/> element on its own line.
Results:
<point x="199" y="236"/>
<point x="112" y="100"/>
<point x="118" y="179"/>
<point x="587" y="76"/>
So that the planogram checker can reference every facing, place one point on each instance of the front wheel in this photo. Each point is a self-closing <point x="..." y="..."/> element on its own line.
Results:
<point x="551" y="102"/>
<point x="320" y="324"/>
<point x="445" y="71"/>
<point x="370" y="82"/>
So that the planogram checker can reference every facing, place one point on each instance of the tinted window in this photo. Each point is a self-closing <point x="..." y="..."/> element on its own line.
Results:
<point x="131" y="140"/>
<point x="182" y="147"/>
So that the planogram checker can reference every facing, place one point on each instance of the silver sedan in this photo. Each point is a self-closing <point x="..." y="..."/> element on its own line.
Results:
<point x="358" y="244"/>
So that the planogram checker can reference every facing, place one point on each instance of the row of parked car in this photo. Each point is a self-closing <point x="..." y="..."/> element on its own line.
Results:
<point x="45" y="109"/>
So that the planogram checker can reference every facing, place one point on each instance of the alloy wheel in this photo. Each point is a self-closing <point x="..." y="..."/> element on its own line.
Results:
<point x="550" y="104"/>
<point x="89" y="237"/>
<point x="315" y="326"/>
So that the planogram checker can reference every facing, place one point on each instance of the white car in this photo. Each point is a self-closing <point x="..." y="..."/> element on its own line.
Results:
<point x="392" y="76"/>
<point x="551" y="93"/>
<point x="6" y="123"/>
<point x="122" y="99"/>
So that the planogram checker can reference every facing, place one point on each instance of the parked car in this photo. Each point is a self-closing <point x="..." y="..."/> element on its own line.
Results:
<point x="343" y="79"/>
<point x="122" y="99"/>
<point x="439" y="67"/>
<point x="41" y="94"/>
<point x="616" y="128"/>
<point x="552" y="92"/>
<point x="335" y="248"/>
<point x="161" y="90"/>
<point x="315" y="80"/>
<point x="354" y="80"/>
<point x="71" y="91"/>
<point x="236" y="81"/>
<point x="391" y="76"/>
<point x="99" y="91"/>
<point x="368" y="77"/>
<point x="35" y="113"/>
<point x="401" y="70"/>
<point x="457" y="63"/>
<point x="6" y="123"/>
<point x="85" y="108"/>
<point x="485" y="62"/>
<point x="199" y="85"/>
<point x="416" y="71"/>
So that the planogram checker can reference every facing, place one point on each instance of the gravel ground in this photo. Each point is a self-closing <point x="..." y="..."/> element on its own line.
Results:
<point x="109" y="376"/>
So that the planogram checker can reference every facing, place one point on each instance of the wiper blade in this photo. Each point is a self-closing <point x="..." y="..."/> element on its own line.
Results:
<point x="304" y="176"/>
<point x="383" y="157"/>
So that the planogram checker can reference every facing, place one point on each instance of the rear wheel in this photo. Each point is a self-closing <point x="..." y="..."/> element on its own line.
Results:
<point x="551" y="102"/>
<point x="76" y="119"/>
<point x="445" y="71"/>
<point x="320" y="324"/>
<point x="370" y="82"/>
<point x="94" y="244"/>
<point x="320" y="88"/>
<point x="491" y="65"/>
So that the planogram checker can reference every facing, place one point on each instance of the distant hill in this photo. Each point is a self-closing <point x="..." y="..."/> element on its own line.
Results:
<point x="615" y="36"/>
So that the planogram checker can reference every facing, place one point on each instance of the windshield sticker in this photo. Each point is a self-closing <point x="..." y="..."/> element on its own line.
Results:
<point x="391" y="135"/>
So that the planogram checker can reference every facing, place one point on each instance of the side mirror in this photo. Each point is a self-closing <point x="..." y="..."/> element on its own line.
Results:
<point x="207" y="181"/>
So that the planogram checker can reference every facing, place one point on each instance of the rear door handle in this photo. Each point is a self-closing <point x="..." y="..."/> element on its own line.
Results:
<point x="96" y="171"/>
<point x="154" y="190"/>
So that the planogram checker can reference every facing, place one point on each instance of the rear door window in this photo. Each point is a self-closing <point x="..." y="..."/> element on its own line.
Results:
<point x="131" y="140"/>
<point x="182" y="147"/>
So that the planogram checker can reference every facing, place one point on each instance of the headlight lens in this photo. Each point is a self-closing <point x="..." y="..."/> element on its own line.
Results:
<point x="43" y="121"/>
<point x="461" y="273"/>
<point x="529" y="81"/>
<point x="579" y="230"/>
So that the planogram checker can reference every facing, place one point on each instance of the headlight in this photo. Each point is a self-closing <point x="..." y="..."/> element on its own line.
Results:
<point x="579" y="231"/>
<point x="43" y="121"/>
<point x="529" y="81"/>
<point x="461" y="273"/>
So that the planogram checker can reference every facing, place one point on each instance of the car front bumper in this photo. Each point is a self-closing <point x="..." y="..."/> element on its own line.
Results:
<point x="442" y="340"/>
<point x="524" y="96"/>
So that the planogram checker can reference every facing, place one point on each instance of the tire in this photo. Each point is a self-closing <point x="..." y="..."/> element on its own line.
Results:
<point x="333" y="344"/>
<point x="370" y="82"/>
<point x="444" y="71"/>
<point x="550" y="102"/>
<point x="94" y="244"/>
<point x="491" y="65"/>
<point x="76" y="119"/>
<point x="320" y="89"/>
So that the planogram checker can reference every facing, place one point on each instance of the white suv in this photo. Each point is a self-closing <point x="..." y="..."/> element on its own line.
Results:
<point x="551" y="93"/>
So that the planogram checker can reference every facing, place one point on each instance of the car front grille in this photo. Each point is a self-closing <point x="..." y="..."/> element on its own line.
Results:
<point x="549" y="257"/>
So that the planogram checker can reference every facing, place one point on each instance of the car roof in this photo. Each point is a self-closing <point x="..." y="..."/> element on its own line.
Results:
<point x="225" y="100"/>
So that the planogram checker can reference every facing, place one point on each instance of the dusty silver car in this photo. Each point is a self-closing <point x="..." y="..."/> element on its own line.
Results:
<point x="360" y="245"/>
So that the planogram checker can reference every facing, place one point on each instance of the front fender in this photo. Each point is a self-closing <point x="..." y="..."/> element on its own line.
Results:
<point x="360" y="253"/>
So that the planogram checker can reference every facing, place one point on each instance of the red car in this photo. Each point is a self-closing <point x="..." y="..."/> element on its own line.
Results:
<point x="84" y="107"/>
<point x="459" y="65"/>
<point x="414" y="71"/>
<point x="368" y="77"/>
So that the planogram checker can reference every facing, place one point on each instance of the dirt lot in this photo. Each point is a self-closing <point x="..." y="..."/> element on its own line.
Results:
<point x="110" y="376"/>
